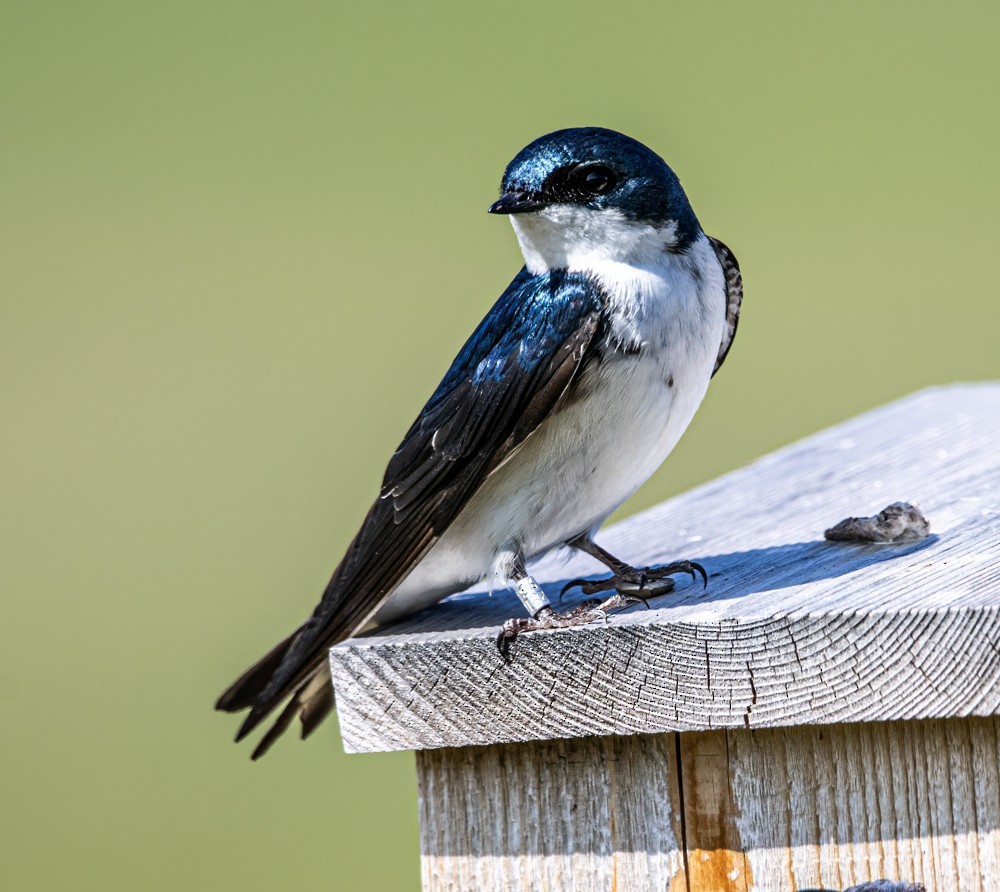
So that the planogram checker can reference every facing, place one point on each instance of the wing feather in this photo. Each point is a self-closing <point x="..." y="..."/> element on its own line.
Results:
<point x="734" y="297"/>
<point x="509" y="376"/>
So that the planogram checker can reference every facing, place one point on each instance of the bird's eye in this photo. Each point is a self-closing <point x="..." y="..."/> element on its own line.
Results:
<point x="594" y="180"/>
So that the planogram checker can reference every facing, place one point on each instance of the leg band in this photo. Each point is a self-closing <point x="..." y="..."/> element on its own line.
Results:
<point x="531" y="595"/>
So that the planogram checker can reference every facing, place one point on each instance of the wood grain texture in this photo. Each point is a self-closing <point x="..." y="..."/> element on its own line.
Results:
<point x="586" y="814"/>
<point x="829" y="807"/>
<point x="792" y="630"/>
<point x="773" y="810"/>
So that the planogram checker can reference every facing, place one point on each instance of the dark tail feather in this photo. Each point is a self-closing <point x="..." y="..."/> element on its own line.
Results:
<point x="317" y="709"/>
<point x="297" y="669"/>
<point x="243" y="693"/>
<point x="276" y="730"/>
<point x="312" y="701"/>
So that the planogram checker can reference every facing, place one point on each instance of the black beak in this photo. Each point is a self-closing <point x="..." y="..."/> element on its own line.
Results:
<point x="516" y="203"/>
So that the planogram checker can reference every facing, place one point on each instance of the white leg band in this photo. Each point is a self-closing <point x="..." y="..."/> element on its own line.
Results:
<point x="531" y="595"/>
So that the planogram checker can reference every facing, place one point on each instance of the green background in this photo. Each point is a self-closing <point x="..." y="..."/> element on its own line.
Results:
<point x="240" y="243"/>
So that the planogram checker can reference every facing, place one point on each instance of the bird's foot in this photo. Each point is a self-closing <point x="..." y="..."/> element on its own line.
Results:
<point x="547" y="618"/>
<point x="631" y="585"/>
<point x="638" y="583"/>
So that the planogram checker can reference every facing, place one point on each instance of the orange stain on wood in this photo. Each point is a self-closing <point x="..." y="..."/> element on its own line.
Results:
<point x="718" y="870"/>
<point x="711" y="837"/>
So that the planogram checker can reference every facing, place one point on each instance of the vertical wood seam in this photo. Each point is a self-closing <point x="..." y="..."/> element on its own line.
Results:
<point x="680" y="799"/>
<point x="734" y="817"/>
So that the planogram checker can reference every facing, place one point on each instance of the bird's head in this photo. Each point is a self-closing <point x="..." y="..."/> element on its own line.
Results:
<point x="587" y="195"/>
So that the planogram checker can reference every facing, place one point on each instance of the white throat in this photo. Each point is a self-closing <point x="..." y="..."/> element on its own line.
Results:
<point x="567" y="236"/>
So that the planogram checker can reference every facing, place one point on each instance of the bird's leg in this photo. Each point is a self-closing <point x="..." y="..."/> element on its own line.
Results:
<point x="543" y="616"/>
<point x="631" y="583"/>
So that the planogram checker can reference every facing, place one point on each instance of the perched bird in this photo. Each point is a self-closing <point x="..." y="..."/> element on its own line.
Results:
<point x="566" y="398"/>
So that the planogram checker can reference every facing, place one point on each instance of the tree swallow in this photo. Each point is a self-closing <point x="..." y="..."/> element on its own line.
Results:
<point x="566" y="398"/>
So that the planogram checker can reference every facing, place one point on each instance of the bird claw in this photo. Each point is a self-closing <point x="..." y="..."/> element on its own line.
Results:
<point x="633" y="581"/>
<point x="547" y="618"/>
<point x="588" y="586"/>
<point x="620" y="599"/>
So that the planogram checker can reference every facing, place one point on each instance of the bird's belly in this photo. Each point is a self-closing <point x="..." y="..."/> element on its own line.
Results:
<point x="623" y="420"/>
<point x="613" y="429"/>
<point x="599" y="450"/>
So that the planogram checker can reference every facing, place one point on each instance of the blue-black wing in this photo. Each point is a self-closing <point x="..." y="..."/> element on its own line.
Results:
<point x="506" y="380"/>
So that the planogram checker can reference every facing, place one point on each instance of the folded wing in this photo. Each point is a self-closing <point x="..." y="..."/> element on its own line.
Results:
<point x="507" y="379"/>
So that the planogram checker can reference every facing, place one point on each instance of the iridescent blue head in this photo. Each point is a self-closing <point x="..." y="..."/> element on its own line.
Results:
<point x="598" y="170"/>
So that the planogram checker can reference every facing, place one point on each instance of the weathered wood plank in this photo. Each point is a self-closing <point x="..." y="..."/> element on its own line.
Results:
<point x="710" y="832"/>
<point x="828" y="807"/>
<point x="761" y="811"/>
<point x="791" y="630"/>
<point x="591" y="813"/>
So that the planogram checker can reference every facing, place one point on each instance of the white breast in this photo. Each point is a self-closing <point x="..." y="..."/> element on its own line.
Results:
<point x="667" y="313"/>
